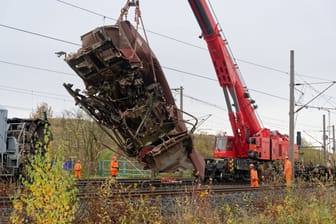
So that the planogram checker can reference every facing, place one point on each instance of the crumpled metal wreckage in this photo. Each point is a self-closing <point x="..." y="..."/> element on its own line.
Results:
<point x="127" y="93"/>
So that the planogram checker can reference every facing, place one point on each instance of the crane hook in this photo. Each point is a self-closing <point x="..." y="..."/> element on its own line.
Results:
<point x="124" y="10"/>
<point x="133" y="3"/>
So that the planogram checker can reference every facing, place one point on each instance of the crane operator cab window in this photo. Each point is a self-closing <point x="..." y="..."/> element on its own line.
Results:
<point x="223" y="143"/>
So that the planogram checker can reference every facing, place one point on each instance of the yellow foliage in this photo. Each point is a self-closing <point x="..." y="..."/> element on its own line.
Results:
<point x="49" y="194"/>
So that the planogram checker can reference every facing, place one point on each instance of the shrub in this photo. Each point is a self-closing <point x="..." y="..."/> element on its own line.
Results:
<point x="48" y="194"/>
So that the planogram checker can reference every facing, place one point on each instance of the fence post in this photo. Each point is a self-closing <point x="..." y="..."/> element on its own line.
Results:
<point x="124" y="168"/>
<point x="100" y="170"/>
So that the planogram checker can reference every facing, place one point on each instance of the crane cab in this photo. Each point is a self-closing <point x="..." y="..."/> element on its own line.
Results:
<point x="224" y="147"/>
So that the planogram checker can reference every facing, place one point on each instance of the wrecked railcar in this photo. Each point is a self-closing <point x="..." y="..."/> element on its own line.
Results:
<point x="127" y="93"/>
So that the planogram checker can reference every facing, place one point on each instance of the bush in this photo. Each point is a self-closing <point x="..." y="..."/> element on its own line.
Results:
<point x="48" y="194"/>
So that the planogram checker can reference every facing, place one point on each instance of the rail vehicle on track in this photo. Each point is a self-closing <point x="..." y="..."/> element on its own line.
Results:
<point x="127" y="94"/>
<point x="20" y="138"/>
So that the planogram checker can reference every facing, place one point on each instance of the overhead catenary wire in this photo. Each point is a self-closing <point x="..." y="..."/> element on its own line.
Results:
<point x="113" y="19"/>
<point x="77" y="44"/>
<point x="30" y="90"/>
<point x="40" y="35"/>
<point x="36" y="68"/>
<point x="189" y="44"/>
<point x="16" y="107"/>
<point x="310" y="85"/>
<point x="168" y="37"/>
<point x="166" y="67"/>
<point x="34" y="93"/>
<point x="315" y="97"/>
<point x="68" y="42"/>
<point x="186" y="43"/>
<point x="49" y="37"/>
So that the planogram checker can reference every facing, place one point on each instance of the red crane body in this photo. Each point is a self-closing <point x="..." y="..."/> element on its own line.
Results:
<point x="249" y="139"/>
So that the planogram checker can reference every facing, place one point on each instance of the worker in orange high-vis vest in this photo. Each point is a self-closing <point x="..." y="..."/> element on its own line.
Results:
<point x="288" y="171"/>
<point x="78" y="169"/>
<point x="114" y="166"/>
<point x="254" y="176"/>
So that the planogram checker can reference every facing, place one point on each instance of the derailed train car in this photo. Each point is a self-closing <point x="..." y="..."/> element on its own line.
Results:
<point x="127" y="93"/>
<point x="19" y="139"/>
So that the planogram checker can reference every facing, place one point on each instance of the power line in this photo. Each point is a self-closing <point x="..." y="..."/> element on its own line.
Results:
<point x="264" y="67"/>
<point x="185" y="42"/>
<point x="40" y="35"/>
<point x="35" y="67"/>
<point x="33" y="93"/>
<point x="189" y="73"/>
<point x="313" y="83"/>
<point x="268" y="94"/>
<point x="15" y="107"/>
<point x="192" y="74"/>
<point x="113" y="19"/>
<point x="204" y="102"/>
<point x="162" y="35"/>
<point x="86" y="10"/>
<point x="316" y="91"/>
<point x="29" y="90"/>
<point x="167" y="37"/>
<point x="166" y="67"/>
<point x="169" y="68"/>
<point x="315" y="97"/>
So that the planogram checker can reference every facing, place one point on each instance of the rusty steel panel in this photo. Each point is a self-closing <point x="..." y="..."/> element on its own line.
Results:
<point x="127" y="93"/>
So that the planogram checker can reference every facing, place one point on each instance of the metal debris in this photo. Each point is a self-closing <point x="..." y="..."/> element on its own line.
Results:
<point x="127" y="93"/>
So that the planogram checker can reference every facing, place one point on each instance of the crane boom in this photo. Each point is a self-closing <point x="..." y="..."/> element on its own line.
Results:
<point x="243" y="119"/>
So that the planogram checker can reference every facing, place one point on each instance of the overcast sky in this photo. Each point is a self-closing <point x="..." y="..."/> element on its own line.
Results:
<point x="260" y="33"/>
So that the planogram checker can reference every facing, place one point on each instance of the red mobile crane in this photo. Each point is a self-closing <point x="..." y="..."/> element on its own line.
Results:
<point x="250" y="142"/>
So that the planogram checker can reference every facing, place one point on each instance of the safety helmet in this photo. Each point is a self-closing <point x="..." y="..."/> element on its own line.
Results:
<point x="251" y="165"/>
<point x="286" y="157"/>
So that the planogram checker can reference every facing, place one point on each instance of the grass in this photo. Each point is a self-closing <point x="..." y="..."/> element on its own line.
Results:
<point x="298" y="204"/>
<point x="292" y="205"/>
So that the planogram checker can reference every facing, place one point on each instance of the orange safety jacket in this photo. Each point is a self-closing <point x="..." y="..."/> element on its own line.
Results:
<point x="288" y="169"/>
<point x="254" y="178"/>
<point x="114" y="167"/>
<point x="78" y="167"/>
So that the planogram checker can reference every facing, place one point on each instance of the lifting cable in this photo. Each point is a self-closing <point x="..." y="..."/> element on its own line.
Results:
<point x="138" y="20"/>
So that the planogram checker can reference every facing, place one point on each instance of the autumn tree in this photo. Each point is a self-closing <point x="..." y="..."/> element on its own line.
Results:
<point x="48" y="196"/>
<point x="204" y="144"/>
<point x="82" y="138"/>
<point x="40" y="110"/>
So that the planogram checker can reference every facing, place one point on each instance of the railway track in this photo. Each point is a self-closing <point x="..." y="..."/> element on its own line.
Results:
<point x="148" y="188"/>
<point x="139" y="182"/>
<point x="5" y="209"/>
<point x="153" y="188"/>
<point x="89" y="189"/>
